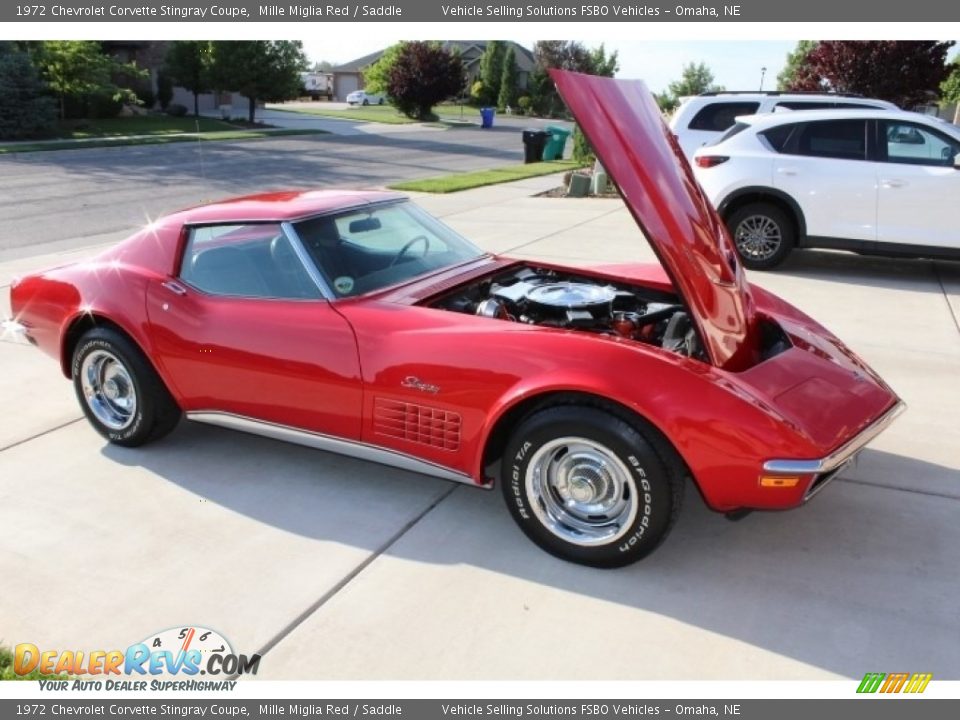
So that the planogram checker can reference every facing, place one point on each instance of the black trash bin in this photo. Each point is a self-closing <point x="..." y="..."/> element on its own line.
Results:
<point x="533" y="144"/>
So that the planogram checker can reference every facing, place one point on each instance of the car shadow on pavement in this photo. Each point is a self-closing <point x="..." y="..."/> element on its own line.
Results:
<point x="864" y="577"/>
<point x="868" y="271"/>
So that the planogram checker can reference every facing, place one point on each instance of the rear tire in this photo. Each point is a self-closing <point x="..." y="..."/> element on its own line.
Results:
<point x="763" y="234"/>
<point x="120" y="392"/>
<point x="589" y="487"/>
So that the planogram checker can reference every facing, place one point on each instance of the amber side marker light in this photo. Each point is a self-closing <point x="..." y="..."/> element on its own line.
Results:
<point x="779" y="481"/>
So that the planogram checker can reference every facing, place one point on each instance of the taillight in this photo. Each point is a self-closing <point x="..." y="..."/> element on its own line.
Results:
<point x="709" y="161"/>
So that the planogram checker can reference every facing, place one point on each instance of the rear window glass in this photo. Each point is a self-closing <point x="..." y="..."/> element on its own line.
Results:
<point x="735" y="130"/>
<point x="840" y="139"/>
<point x="720" y="116"/>
<point x="778" y="136"/>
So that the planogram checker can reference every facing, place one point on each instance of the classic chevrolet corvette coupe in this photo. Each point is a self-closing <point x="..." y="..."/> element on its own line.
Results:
<point x="356" y="323"/>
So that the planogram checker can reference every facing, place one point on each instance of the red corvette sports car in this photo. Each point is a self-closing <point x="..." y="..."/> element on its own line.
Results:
<point x="354" y="322"/>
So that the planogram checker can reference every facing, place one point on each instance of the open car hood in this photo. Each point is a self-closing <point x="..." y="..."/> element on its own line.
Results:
<point x="634" y="144"/>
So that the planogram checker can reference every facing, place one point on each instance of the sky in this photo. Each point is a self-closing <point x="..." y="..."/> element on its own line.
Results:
<point x="736" y="64"/>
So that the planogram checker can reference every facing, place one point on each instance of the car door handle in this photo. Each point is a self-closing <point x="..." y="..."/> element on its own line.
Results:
<point x="175" y="287"/>
<point x="787" y="171"/>
<point x="894" y="183"/>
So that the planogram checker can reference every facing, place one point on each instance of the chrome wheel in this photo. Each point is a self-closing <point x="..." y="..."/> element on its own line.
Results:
<point x="758" y="237"/>
<point x="108" y="389"/>
<point x="581" y="491"/>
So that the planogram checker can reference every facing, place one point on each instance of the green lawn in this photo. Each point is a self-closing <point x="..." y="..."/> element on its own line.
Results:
<point x="363" y="113"/>
<point x="382" y="113"/>
<point x="465" y="181"/>
<point x="142" y="125"/>
<point x="156" y="139"/>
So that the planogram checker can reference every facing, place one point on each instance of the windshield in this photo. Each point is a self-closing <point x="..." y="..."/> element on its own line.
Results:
<point x="366" y="249"/>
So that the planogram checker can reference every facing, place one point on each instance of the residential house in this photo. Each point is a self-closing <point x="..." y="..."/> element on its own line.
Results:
<point x="349" y="76"/>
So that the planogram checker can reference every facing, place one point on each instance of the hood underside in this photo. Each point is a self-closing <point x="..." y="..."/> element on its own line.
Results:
<point x="623" y="124"/>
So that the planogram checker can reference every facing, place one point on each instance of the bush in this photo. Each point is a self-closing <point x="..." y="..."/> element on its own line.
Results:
<point x="524" y="103"/>
<point x="145" y="94"/>
<point x="176" y="110"/>
<point x="477" y="93"/>
<point x="103" y="105"/>
<point x="582" y="151"/>
<point x="25" y="109"/>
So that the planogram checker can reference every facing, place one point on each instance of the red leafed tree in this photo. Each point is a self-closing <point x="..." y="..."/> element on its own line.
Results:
<point x="905" y="72"/>
<point x="423" y="75"/>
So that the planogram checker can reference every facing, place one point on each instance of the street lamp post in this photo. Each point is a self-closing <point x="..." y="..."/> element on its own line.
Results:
<point x="763" y="72"/>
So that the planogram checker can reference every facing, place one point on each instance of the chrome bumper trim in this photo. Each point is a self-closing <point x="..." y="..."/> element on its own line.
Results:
<point x="841" y="455"/>
<point x="351" y="448"/>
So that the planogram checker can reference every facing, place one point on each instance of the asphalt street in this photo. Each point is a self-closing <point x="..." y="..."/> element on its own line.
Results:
<point x="63" y="199"/>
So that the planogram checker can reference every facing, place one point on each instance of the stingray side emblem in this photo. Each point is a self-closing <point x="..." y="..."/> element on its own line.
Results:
<point x="415" y="383"/>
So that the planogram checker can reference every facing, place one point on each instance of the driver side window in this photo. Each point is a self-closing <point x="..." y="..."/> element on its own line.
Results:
<point x="246" y="261"/>
<point x="914" y="144"/>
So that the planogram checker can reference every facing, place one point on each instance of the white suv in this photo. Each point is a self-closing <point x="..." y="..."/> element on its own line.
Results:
<point x="701" y="119"/>
<point x="879" y="182"/>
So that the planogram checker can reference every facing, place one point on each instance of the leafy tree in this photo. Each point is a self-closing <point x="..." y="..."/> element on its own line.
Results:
<point x="423" y="75"/>
<point x="188" y="65"/>
<point x="950" y="88"/>
<point x="376" y="76"/>
<point x="565" y="55"/>
<point x="695" y="78"/>
<point x="73" y="69"/>
<point x="25" y="108"/>
<point x="796" y="59"/>
<point x="324" y="66"/>
<point x="491" y="70"/>
<point x="508" y="80"/>
<point x="906" y="72"/>
<point x="267" y="70"/>
<point x="603" y="64"/>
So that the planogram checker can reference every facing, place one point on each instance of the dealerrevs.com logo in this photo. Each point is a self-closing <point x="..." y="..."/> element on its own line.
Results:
<point x="894" y="682"/>
<point x="182" y="652"/>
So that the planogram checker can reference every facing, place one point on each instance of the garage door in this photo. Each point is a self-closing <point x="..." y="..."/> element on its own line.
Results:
<point x="346" y="84"/>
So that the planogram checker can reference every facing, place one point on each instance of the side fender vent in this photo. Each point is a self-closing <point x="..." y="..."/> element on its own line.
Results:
<point x="417" y="424"/>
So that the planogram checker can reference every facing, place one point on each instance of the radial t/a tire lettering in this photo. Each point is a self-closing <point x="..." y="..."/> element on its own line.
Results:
<point x="590" y="487"/>
<point x="119" y="391"/>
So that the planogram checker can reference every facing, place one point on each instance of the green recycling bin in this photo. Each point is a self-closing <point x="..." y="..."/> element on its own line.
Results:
<point x="556" y="142"/>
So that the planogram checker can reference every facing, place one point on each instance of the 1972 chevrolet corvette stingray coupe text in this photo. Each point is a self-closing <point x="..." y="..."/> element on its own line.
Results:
<point x="354" y="322"/>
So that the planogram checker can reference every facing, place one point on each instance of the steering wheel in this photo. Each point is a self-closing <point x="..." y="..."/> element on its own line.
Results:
<point x="403" y="251"/>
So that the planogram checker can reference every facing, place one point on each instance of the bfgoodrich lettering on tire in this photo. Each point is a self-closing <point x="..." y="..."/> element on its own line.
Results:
<point x="590" y="487"/>
<point x="120" y="392"/>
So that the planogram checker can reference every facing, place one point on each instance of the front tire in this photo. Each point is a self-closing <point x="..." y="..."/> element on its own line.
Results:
<point x="366" y="102"/>
<point x="120" y="392"/>
<point x="590" y="487"/>
<point x="763" y="234"/>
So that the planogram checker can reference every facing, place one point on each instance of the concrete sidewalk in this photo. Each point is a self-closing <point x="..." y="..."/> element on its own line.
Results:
<point x="375" y="573"/>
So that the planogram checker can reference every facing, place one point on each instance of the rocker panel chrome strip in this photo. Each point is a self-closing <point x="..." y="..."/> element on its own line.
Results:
<point x="319" y="441"/>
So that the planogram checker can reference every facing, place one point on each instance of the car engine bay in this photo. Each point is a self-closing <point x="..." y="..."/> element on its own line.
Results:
<point x="546" y="297"/>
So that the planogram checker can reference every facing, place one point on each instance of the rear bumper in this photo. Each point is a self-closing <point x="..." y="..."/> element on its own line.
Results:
<point x="823" y="470"/>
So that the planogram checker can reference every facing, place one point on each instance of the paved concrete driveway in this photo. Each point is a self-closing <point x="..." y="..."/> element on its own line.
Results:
<point x="341" y="569"/>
